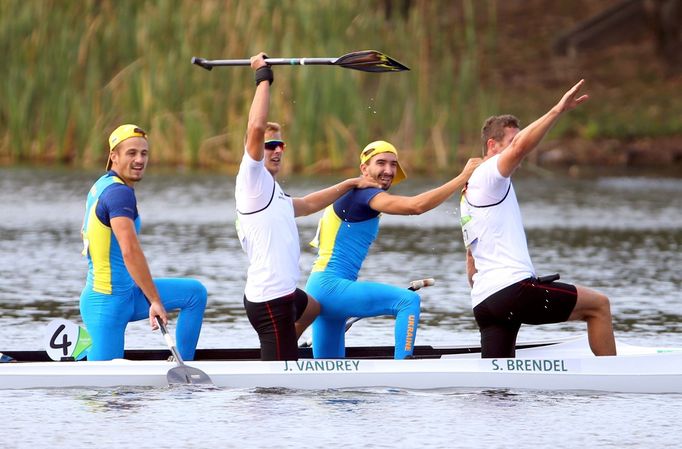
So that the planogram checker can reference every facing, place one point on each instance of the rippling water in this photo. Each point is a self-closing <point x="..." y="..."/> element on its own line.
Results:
<point x="620" y="235"/>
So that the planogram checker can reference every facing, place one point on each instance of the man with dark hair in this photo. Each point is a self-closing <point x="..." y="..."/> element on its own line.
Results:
<point x="346" y="231"/>
<point x="506" y="292"/>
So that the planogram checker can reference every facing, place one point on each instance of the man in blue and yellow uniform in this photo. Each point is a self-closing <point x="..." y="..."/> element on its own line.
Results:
<point x="346" y="231"/>
<point x="119" y="286"/>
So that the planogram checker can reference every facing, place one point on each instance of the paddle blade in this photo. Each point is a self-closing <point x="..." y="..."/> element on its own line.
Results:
<point x="182" y="375"/>
<point x="370" y="61"/>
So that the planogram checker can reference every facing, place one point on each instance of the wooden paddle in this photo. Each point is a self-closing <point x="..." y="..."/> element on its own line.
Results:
<point x="181" y="374"/>
<point x="365" y="60"/>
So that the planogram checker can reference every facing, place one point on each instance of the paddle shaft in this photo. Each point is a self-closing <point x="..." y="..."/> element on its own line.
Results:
<point x="170" y="342"/>
<point x="271" y="61"/>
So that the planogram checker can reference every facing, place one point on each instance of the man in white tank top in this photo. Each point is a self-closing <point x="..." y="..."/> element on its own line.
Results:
<point x="506" y="291"/>
<point x="276" y="308"/>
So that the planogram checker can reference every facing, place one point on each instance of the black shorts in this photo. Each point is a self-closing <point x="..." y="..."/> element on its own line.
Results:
<point x="274" y="321"/>
<point x="500" y="315"/>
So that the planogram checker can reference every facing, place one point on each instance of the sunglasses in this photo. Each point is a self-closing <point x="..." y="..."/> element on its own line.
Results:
<point x="273" y="144"/>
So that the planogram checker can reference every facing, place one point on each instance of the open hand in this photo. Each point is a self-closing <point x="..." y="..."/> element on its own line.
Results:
<point x="364" y="182"/>
<point x="471" y="165"/>
<point x="572" y="98"/>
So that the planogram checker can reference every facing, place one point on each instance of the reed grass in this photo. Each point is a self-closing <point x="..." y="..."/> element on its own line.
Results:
<point x="74" y="70"/>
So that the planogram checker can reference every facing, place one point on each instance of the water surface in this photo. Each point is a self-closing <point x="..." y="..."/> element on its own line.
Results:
<point x="621" y="235"/>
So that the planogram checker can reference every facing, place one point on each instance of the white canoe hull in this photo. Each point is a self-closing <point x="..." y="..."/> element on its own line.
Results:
<point x="566" y="366"/>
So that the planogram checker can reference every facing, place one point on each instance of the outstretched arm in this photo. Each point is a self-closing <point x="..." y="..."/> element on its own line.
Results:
<point x="316" y="201"/>
<point x="528" y="138"/>
<point x="418" y="204"/>
<point x="258" y="114"/>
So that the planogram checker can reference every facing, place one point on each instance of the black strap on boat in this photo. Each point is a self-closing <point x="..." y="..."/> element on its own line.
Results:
<point x="274" y="184"/>
<point x="489" y="205"/>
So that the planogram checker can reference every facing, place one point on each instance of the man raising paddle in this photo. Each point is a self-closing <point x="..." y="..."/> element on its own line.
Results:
<point x="276" y="308"/>
<point x="506" y="291"/>
<point x="119" y="287"/>
<point x="346" y="231"/>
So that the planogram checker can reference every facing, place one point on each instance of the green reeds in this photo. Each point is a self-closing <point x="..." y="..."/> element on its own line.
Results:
<point x="74" y="70"/>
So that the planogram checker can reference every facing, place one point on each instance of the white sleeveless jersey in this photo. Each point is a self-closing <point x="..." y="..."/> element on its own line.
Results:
<point x="267" y="231"/>
<point x="493" y="230"/>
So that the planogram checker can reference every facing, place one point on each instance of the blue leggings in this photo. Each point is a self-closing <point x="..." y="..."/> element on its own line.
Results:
<point x="106" y="316"/>
<point x="341" y="299"/>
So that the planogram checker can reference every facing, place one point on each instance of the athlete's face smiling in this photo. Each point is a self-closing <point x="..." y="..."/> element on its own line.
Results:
<point x="273" y="158"/>
<point x="382" y="168"/>
<point x="129" y="159"/>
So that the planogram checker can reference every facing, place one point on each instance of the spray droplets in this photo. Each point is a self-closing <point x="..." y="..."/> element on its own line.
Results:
<point x="371" y="106"/>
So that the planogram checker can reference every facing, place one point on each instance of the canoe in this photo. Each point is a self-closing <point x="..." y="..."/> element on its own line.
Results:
<point x="557" y="365"/>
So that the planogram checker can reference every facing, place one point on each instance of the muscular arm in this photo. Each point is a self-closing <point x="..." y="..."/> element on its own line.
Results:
<point x="528" y="138"/>
<point x="424" y="202"/>
<point x="471" y="268"/>
<point x="136" y="263"/>
<point x="316" y="201"/>
<point x="258" y="115"/>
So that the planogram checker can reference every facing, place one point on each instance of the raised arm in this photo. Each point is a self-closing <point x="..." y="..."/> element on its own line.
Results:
<point x="418" y="204"/>
<point x="136" y="263"/>
<point x="316" y="201"/>
<point x="258" y="114"/>
<point x="528" y="138"/>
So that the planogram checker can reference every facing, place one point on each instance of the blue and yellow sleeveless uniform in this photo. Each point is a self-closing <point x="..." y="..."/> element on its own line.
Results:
<point x="347" y="230"/>
<point x="110" y="298"/>
<point x="106" y="270"/>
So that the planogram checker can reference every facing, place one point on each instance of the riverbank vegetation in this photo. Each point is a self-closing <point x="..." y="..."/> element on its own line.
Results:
<point x="73" y="71"/>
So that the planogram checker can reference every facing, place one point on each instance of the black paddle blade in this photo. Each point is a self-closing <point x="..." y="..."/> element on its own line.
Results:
<point x="187" y="375"/>
<point x="370" y="61"/>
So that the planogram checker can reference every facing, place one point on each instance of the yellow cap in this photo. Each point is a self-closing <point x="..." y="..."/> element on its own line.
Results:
<point x="379" y="147"/>
<point x="122" y="133"/>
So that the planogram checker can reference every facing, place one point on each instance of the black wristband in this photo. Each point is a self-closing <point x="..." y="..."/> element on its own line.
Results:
<point x="264" y="74"/>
